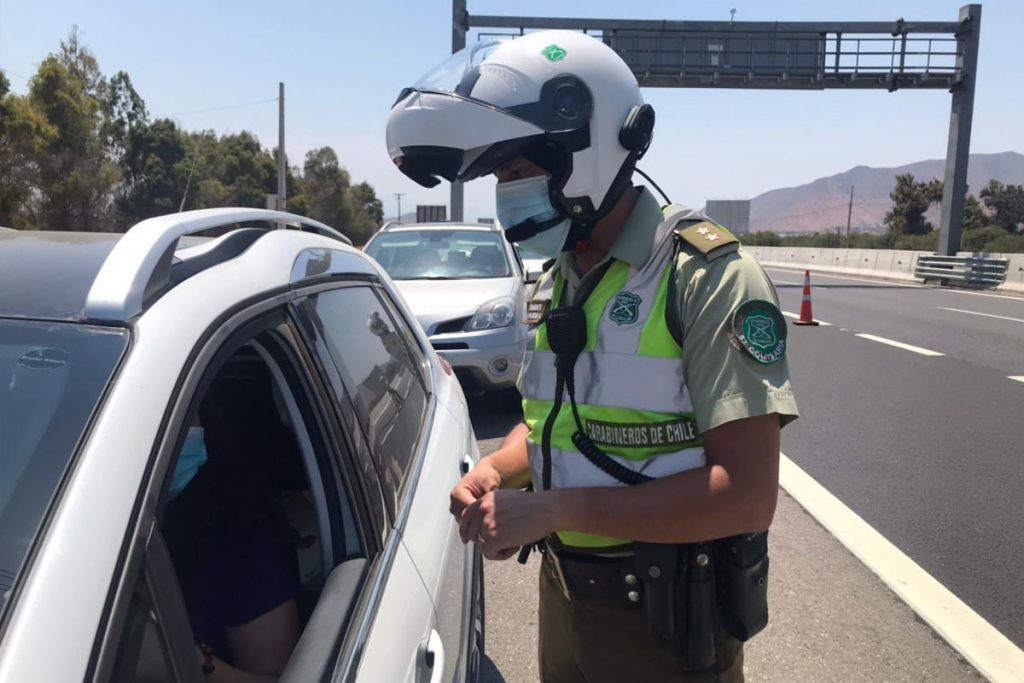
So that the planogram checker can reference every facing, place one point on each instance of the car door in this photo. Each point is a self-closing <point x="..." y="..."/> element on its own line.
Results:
<point x="419" y="448"/>
<point x="368" y="582"/>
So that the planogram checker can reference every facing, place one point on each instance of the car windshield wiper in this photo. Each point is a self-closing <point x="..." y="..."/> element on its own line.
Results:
<point x="436" y="277"/>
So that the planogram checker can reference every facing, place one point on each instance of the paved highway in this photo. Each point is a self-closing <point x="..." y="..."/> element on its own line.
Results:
<point x="928" y="449"/>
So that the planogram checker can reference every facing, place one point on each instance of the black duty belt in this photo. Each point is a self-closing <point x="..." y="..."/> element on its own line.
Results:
<point x="592" y="576"/>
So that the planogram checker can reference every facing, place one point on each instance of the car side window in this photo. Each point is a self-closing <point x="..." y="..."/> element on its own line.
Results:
<point x="369" y="347"/>
<point x="142" y="654"/>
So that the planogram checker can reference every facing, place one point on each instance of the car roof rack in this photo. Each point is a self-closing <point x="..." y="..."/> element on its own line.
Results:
<point x="138" y="268"/>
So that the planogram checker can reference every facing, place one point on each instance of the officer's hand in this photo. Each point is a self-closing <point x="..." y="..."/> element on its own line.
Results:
<point x="501" y="521"/>
<point x="481" y="480"/>
<point x="499" y="554"/>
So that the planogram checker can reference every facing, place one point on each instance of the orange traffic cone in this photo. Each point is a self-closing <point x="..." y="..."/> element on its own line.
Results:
<point x="806" y="316"/>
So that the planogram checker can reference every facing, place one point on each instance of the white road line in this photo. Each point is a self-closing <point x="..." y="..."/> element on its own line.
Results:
<point x="900" y="345"/>
<point x="877" y="281"/>
<point x="991" y="296"/>
<point x="987" y="315"/>
<point x="987" y="650"/>
<point x="891" y="283"/>
<point x="790" y="314"/>
<point x="1018" y="378"/>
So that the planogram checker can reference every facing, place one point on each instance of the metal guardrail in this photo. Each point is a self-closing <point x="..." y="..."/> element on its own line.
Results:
<point x="978" y="271"/>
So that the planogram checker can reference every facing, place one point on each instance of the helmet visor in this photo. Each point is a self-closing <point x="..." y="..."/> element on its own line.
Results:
<point x="458" y="73"/>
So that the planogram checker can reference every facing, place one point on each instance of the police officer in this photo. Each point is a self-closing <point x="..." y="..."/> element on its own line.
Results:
<point x="656" y="382"/>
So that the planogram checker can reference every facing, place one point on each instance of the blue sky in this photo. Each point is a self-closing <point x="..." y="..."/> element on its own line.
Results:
<point x="343" y="64"/>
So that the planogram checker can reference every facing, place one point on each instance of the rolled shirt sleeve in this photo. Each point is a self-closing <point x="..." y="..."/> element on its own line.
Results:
<point x="726" y="382"/>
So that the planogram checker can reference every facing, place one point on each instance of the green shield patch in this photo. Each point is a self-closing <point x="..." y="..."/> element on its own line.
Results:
<point x="625" y="308"/>
<point x="759" y="329"/>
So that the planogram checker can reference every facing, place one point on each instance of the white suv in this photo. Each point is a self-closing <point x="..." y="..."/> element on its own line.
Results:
<point x="199" y="435"/>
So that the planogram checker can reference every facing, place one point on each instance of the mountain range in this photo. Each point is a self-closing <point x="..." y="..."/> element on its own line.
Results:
<point x="822" y="204"/>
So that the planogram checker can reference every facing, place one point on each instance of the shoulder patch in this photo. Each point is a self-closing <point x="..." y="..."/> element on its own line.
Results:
<point x="709" y="239"/>
<point x="759" y="329"/>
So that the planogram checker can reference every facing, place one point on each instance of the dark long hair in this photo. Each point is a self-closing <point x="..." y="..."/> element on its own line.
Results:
<point x="237" y="490"/>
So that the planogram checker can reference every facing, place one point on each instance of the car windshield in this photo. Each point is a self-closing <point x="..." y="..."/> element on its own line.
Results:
<point x="51" y="378"/>
<point x="441" y="254"/>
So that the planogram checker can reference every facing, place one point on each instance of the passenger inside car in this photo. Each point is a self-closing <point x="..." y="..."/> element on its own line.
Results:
<point x="488" y="260"/>
<point x="229" y="534"/>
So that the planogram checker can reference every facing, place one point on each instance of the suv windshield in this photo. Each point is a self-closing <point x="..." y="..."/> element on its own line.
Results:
<point x="440" y="254"/>
<point x="51" y="377"/>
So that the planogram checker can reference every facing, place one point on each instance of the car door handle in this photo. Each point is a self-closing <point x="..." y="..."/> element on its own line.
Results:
<point x="467" y="463"/>
<point x="433" y="656"/>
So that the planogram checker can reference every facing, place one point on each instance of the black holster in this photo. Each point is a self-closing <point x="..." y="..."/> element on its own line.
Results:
<point x="693" y="591"/>
<point x="679" y="598"/>
<point x="742" y="567"/>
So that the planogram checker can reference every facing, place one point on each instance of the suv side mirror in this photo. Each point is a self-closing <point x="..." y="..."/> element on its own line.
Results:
<point x="533" y="274"/>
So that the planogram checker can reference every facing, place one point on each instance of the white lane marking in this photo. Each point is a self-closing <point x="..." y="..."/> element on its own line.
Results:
<point x="1017" y="378"/>
<point x="991" y="296"/>
<point x="900" y="345"/>
<point x="790" y="314"/>
<point x="987" y="315"/>
<point x="786" y="282"/>
<point x="893" y="283"/>
<point x="987" y="650"/>
<point x="877" y="281"/>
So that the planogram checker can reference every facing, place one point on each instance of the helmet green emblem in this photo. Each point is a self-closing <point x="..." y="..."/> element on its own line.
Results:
<point x="759" y="329"/>
<point x="554" y="52"/>
<point x="625" y="308"/>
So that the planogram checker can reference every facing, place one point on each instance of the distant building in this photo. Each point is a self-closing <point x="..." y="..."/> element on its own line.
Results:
<point x="733" y="214"/>
<point x="426" y="213"/>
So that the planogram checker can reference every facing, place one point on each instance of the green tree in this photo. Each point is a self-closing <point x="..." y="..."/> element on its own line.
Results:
<point x="75" y="174"/>
<point x="910" y="200"/>
<point x="124" y="112"/>
<point x="975" y="217"/>
<point x="325" y="186"/>
<point x="366" y="198"/>
<point x="1006" y="203"/>
<point x="155" y="166"/>
<point x="24" y="134"/>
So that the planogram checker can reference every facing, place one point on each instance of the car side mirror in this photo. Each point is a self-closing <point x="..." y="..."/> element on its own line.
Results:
<point x="533" y="274"/>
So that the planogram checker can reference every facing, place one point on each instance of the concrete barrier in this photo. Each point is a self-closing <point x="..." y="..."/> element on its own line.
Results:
<point x="885" y="264"/>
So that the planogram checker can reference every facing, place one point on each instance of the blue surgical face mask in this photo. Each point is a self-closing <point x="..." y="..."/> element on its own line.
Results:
<point x="192" y="457"/>
<point x="520" y="200"/>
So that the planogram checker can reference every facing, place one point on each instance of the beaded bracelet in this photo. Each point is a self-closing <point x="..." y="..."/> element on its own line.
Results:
<point x="208" y="666"/>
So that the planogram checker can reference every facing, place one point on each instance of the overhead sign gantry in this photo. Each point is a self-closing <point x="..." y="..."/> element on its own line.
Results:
<point x="793" y="55"/>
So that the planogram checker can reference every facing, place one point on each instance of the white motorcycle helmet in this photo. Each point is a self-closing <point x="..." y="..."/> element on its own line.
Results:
<point x="562" y="99"/>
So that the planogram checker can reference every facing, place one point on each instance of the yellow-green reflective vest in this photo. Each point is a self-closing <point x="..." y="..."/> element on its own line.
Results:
<point x="630" y="388"/>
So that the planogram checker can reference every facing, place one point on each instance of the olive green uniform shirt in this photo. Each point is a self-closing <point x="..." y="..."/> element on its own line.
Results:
<point x="725" y="382"/>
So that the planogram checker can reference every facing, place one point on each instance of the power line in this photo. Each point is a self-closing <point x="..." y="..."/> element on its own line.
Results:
<point x="231" y="106"/>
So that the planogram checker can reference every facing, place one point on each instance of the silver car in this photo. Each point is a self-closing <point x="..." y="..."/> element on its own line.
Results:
<point x="232" y="453"/>
<point x="466" y="286"/>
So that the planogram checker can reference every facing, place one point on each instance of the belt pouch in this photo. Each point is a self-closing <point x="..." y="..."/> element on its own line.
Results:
<point x="657" y="566"/>
<point x="699" y="643"/>
<point x="743" y="579"/>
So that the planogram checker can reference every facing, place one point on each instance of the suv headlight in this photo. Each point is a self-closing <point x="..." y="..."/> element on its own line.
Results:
<point x="495" y="313"/>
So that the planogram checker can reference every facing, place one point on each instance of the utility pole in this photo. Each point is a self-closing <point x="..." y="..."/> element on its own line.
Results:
<point x="398" y="196"/>
<point x="460" y="24"/>
<point x="849" y="214"/>
<point x="281" y="205"/>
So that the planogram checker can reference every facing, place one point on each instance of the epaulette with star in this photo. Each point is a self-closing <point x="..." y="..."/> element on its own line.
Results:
<point x="708" y="238"/>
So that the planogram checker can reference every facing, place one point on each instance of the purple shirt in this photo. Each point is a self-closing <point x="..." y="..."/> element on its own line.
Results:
<point x="240" y="577"/>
